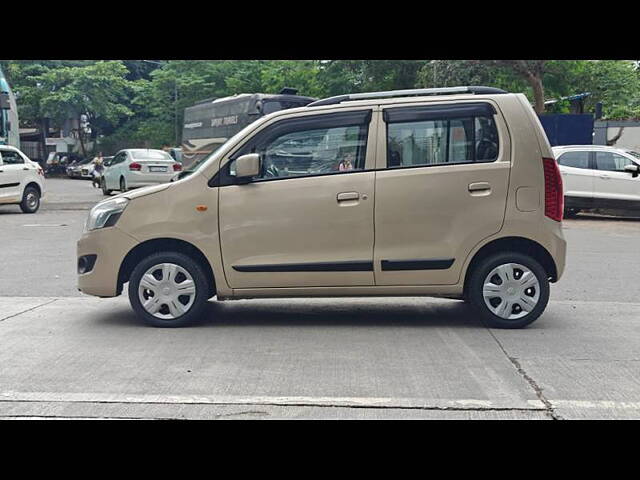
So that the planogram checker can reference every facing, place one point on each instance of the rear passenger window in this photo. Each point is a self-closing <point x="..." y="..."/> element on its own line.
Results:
<point x="441" y="135"/>
<point x="574" y="159"/>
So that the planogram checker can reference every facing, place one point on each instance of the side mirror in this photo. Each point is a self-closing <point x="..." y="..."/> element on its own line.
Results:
<point x="4" y="101"/>
<point x="248" y="166"/>
<point x="632" y="169"/>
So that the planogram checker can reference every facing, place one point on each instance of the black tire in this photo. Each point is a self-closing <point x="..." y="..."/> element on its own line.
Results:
<point x="30" y="200"/>
<point x="103" y="185"/>
<point x="571" y="212"/>
<point x="196" y="272"/>
<point x="479" y="274"/>
<point x="123" y="184"/>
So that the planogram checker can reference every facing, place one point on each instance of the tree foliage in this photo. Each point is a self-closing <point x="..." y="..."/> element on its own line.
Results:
<point x="141" y="103"/>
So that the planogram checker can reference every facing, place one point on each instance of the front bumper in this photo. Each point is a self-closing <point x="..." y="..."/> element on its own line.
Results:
<point x="110" y="245"/>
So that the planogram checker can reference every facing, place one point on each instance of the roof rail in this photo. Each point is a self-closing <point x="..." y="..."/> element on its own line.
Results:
<point x="476" y="90"/>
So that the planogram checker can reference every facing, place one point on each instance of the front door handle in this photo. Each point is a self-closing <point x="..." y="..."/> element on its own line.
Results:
<point x="480" y="188"/>
<point x="605" y="177"/>
<point x="348" y="196"/>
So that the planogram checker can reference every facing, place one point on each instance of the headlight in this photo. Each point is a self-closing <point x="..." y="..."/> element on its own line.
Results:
<point x="105" y="214"/>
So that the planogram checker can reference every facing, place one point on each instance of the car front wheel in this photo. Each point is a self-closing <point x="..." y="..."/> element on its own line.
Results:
<point x="168" y="289"/>
<point x="509" y="290"/>
<point x="30" y="200"/>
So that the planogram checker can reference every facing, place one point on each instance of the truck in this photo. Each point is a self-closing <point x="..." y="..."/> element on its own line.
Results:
<point x="9" y="134"/>
<point x="210" y="123"/>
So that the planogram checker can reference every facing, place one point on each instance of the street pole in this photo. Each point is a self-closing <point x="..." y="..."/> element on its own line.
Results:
<point x="175" y="109"/>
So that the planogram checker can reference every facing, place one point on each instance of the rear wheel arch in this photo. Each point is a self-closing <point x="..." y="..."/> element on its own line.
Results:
<point x="513" y="244"/>
<point x="156" y="245"/>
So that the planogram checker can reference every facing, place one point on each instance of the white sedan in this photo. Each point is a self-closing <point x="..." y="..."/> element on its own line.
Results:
<point x="21" y="180"/>
<point x="597" y="176"/>
<point x="138" y="167"/>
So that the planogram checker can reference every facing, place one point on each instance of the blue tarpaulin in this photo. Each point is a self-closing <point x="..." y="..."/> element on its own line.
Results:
<point x="568" y="129"/>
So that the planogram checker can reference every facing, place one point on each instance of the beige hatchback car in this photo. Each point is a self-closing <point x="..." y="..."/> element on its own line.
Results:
<point x="449" y="192"/>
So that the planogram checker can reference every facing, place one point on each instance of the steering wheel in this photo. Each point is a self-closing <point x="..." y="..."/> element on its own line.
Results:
<point x="271" y="171"/>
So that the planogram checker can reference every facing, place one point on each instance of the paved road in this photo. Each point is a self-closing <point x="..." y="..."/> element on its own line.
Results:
<point x="66" y="355"/>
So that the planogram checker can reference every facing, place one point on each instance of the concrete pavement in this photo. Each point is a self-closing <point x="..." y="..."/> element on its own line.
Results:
<point x="65" y="355"/>
<point x="318" y="358"/>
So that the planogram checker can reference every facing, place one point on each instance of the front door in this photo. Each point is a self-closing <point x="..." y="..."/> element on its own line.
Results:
<point x="307" y="219"/>
<point x="613" y="186"/>
<point x="12" y="170"/>
<point x="441" y="188"/>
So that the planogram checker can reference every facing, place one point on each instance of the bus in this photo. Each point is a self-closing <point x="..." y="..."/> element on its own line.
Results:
<point x="210" y="123"/>
<point x="9" y="134"/>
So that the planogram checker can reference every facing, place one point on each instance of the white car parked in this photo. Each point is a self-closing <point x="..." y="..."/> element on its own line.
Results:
<point x="21" y="180"/>
<point x="597" y="176"/>
<point x="138" y="167"/>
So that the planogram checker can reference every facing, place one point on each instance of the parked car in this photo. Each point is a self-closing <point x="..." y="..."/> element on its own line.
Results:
<point x="136" y="167"/>
<point x="598" y="176"/>
<point x="438" y="192"/>
<point x="81" y="169"/>
<point x="21" y="180"/>
<point x="57" y="162"/>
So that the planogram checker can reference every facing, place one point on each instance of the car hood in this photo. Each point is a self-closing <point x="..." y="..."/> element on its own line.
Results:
<point x="142" y="192"/>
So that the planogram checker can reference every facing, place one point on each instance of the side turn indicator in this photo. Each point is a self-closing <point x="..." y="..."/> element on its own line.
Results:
<point x="201" y="208"/>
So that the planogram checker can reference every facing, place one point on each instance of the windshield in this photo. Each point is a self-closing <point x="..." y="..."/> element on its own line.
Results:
<point x="213" y="156"/>
<point x="150" y="155"/>
<point x="635" y="154"/>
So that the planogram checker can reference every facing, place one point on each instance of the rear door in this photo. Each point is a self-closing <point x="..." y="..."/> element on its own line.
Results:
<point x="613" y="186"/>
<point x="113" y="172"/>
<point x="13" y="170"/>
<point x="577" y="177"/>
<point x="441" y="187"/>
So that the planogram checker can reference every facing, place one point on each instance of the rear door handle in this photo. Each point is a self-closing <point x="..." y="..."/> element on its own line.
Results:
<point x="605" y="177"/>
<point x="348" y="196"/>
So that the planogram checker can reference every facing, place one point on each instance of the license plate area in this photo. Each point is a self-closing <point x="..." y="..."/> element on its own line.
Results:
<point x="157" y="169"/>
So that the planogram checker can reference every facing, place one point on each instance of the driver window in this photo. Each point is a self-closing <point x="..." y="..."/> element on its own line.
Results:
<point x="9" y="157"/>
<point x="314" y="152"/>
<point x="611" y="162"/>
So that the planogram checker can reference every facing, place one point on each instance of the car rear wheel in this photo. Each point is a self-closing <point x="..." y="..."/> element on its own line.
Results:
<point x="509" y="290"/>
<point x="103" y="185"/>
<point x="30" y="200"/>
<point x="168" y="289"/>
<point x="571" y="212"/>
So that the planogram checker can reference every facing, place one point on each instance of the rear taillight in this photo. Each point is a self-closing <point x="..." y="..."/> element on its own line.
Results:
<point x="40" y="171"/>
<point x="553" y="194"/>
<point x="177" y="167"/>
<point x="136" y="167"/>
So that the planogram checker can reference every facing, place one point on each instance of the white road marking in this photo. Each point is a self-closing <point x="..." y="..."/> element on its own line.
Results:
<point x="356" y="402"/>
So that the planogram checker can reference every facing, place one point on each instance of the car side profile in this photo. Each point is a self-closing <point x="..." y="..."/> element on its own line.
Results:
<point x="598" y="176"/>
<point x="21" y="180"/>
<point x="450" y="192"/>
<point x="138" y="167"/>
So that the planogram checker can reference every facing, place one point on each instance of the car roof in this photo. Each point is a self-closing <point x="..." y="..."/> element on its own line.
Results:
<point x="590" y="148"/>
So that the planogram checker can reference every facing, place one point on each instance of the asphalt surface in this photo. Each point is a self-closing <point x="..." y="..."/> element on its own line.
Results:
<point x="67" y="355"/>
